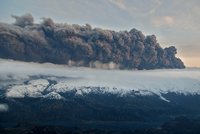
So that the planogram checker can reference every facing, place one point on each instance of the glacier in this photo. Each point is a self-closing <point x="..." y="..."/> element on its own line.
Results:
<point x="28" y="79"/>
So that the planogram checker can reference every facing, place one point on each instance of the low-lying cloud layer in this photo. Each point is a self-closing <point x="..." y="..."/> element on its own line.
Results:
<point x="83" y="45"/>
<point x="22" y="79"/>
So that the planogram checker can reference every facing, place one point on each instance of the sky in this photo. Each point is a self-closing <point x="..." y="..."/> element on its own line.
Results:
<point x="174" y="22"/>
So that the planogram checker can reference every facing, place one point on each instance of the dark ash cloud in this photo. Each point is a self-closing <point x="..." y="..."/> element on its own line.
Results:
<point x="83" y="45"/>
<point x="24" y="20"/>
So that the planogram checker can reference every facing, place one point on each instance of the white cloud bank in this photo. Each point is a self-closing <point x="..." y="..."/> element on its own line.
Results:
<point x="86" y="80"/>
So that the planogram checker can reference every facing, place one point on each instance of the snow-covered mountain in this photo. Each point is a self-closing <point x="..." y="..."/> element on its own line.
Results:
<point x="21" y="79"/>
<point x="94" y="98"/>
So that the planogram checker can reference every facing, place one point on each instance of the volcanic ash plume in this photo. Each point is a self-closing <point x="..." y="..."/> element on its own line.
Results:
<point x="83" y="45"/>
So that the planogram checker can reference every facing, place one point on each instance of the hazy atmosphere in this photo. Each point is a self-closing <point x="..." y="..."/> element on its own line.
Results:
<point x="173" y="22"/>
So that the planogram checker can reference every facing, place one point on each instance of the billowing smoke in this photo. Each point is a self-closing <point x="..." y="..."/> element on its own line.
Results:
<point x="83" y="45"/>
<point x="24" y="20"/>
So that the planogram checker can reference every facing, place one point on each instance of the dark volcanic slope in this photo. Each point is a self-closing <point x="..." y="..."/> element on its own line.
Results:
<point x="82" y="45"/>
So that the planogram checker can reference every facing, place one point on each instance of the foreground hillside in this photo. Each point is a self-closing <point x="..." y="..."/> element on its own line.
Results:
<point x="83" y="46"/>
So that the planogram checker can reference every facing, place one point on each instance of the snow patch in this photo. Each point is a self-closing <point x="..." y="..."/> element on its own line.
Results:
<point x="53" y="96"/>
<point x="34" y="88"/>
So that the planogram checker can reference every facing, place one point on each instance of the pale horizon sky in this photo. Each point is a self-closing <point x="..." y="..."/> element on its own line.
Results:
<point x="174" y="22"/>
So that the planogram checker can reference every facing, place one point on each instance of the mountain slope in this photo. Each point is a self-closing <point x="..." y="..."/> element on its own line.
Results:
<point x="57" y="95"/>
